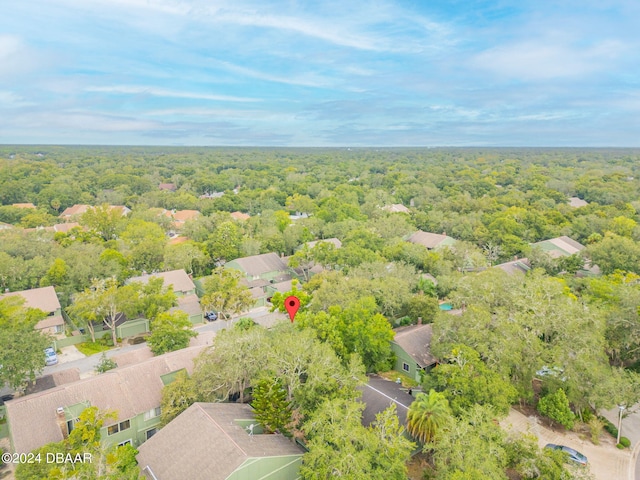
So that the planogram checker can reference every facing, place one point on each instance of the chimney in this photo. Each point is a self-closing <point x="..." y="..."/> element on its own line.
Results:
<point x="62" y="422"/>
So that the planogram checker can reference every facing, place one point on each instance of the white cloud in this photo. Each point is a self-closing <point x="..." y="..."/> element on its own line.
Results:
<point x="540" y="60"/>
<point x="161" y="92"/>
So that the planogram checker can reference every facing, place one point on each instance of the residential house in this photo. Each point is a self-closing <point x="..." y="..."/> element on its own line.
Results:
<point x="268" y="266"/>
<point x="73" y="213"/>
<point x="168" y="187"/>
<point x="396" y="208"/>
<point x="559" y="247"/>
<point x="218" y="441"/>
<point x="431" y="241"/>
<point x="240" y="216"/>
<point x="334" y="241"/>
<point x="212" y="195"/>
<point x="564" y="247"/>
<point x="183" y="287"/>
<point x="576" y="202"/>
<point x="133" y="392"/>
<point x="308" y="271"/>
<point x="44" y="299"/>
<point x="262" y="274"/>
<point x="23" y="205"/>
<point x="412" y="348"/>
<point x="180" y="217"/>
<point x="518" y="265"/>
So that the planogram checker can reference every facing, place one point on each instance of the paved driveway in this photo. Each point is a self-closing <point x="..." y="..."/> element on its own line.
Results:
<point x="605" y="460"/>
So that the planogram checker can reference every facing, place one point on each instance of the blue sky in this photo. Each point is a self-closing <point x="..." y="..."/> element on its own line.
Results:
<point x="320" y="73"/>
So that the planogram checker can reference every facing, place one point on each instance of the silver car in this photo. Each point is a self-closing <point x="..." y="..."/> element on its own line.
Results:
<point x="50" y="357"/>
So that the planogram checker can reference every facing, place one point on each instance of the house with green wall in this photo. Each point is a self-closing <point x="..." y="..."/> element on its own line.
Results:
<point x="183" y="287"/>
<point x="133" y="392"/>
<point x="412" y="348"/>
<point x="219" y="441"/>
<point x="45" y="299"/>
<point x="262" y="275"/>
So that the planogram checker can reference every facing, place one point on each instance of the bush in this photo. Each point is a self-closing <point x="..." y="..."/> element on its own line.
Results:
<point x="556" y="407"/>
<point x="105" y="364"/>
<point x="609" y="427"/>
<point x="595" y="427"/>
<point x="625" y="442"/>
<point x="620" y="446"/>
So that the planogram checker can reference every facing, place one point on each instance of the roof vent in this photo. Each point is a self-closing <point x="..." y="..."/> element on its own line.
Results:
<point x="60" y="410"/>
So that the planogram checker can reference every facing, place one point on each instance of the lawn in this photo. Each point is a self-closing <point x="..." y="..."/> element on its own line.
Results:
<point x="91" y="348"/>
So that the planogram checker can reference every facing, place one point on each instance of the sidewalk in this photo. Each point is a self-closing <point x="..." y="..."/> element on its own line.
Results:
<point x="606" y="462"/>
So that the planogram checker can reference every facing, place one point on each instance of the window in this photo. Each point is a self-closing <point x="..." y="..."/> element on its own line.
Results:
<point x="126" y="442"/>
<point x="70" y="424"/>
<point x="57" y="329"/>
<point x="153" y="413"/>
<point x="151" y="433"/>
<point x="118" y="427"/>
<point x="405" y="366"/>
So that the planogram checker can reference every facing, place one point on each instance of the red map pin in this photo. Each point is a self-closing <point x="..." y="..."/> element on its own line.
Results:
<point x="292" y="304"/>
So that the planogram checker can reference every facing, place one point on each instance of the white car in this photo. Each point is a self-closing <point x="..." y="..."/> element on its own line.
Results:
<point x="50" y="356"/>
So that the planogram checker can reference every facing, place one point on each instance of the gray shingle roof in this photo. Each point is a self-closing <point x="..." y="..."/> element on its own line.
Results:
<point x="261" y="264"/>
<point x="205" y="442"/>
<point x="177" y="278"/>
<point x="416" y="341"/>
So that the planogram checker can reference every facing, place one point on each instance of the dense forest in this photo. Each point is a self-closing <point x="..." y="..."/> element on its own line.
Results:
<point x="575" y="315"/>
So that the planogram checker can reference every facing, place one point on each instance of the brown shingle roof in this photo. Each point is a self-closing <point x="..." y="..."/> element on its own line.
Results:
<point x="206" y="442"/>
<point x="260" y="264"/>
<point x="416" y="341"/>
<point x="177" y="278"/>
<point x="190" y="304"/>
<point x="336" y="243"/>
<point x="240" y="216"/>
<point x="430" y="240"/>
<point x="44" y="298"/>
<point x="184" y="215"/>
<point x="129" y="391"/>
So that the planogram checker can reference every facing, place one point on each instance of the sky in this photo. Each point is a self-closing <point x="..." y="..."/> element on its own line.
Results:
<point x="320" y="72"/>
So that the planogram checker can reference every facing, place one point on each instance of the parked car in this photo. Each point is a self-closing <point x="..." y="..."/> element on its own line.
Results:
<point x="211" y="316"/>
<point x="574" y="455"/>
<point x="50" y="356"/>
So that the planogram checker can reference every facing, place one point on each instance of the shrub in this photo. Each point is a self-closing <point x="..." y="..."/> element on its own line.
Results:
<point x="595" y="427"/>
<point x="620" y="446"/>
<point x="609" y="427"/>
<point x="105" y="364"/>
<point x="556" y="407"/>
<point x="625" y="442"/>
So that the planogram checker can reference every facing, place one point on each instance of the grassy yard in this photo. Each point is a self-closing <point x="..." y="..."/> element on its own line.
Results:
<point x="392" y="375"/>
<point x="91" y="348"/>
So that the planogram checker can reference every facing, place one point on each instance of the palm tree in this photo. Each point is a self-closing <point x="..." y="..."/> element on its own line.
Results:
<point x="426" y="415"/>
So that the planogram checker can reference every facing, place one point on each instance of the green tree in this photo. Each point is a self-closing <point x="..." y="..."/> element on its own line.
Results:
<point x="223" y="244"/>
<point x="144" y="245"/>
<point x="57" y="274"/>
<point x="104" y="220"/>
<point x="105" y="364"/>
<point x="21" y="355"/>
<point x="555" y="406"/>
<point x="427" y="414"/>
<point x="340" y="446"/>
<point x="224" y="294"/>
<point x="466" y="380"/>
<point x="272" y="409"/>
<point x="355" y="329"/>
<point x="169" y="332"/>
<point x="177" y="396"/>
<point x="615" y="253"/>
